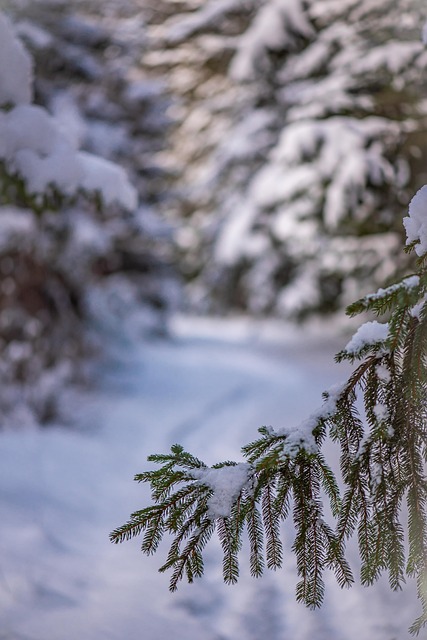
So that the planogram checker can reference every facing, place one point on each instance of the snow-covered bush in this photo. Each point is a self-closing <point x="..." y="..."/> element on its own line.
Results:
<point x="298" y="144"/>
<point x="78" y="252"/>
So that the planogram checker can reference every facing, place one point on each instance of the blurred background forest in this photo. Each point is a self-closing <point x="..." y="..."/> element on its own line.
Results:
<point x="274" y="146"/>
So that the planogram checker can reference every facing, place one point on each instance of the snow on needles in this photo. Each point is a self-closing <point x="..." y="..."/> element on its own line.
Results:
<point x="108" y="178"/>
<point x="411" y="282"/>
<point x="369" y="333"/>
<point x="274" y="28"/>
<point x="302" y="437"/>
<point x="226" y="483"/>
<point x="33" y="145"/>
<point x="416" y="222"/>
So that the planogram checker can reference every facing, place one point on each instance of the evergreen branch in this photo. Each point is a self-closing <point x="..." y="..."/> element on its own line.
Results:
<point x="421" y="621"/>
<point x="330" y="485"/>
<point x="308" y="545"/>
<point x="230" y="563"/>
<point x="137" y="523"/>
<point x="396" y="555"/>
<point x="404" y="293"/>
<point x="383" y="458"/>
<point x="271" y="525"/>
<point x="153" y="534"/>
<point x="255" y="533"/>
<point x="335" y="558"/>
<point x="283" y="494"/>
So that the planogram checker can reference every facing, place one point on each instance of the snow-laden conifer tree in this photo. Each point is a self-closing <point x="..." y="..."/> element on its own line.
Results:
<point x="298" y="145"/>
<point x="78" y="251"/>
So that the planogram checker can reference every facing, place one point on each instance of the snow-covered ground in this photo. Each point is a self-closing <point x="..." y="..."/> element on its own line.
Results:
<point x="62" y="491"/>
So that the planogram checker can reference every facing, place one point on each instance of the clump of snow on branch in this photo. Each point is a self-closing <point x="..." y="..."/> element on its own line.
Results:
<point x="369" y="333"/>
<point x="411" y="282"/>
<point x="418" y="308"/>
<point x="383" y="373"/>
<point x="107" y="178"/>
<point x="381" y="412"/>
<point x="32" y="146"/>
<point x="277" y="26"/>
<point x="209" y="16"/>
<point x="302" y="437"/>
<point x="226" y="483"/>
<point x="416" y="222"/>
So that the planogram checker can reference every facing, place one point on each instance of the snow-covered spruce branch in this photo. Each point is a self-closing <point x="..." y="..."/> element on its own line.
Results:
<point x="193" y="499"/>
<point x="383" y="442"/>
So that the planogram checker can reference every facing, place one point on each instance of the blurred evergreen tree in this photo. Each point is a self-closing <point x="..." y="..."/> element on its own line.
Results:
<point x="299" y="140"/>
<point x="84" y="260"/>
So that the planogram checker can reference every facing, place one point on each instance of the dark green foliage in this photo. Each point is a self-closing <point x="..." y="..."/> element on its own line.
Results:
<point x="379" y="419"/>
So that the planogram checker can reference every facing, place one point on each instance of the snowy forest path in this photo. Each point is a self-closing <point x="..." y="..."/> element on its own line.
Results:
<point x="63" y="490"/>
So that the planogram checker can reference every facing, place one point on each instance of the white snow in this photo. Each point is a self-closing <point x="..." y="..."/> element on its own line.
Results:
<point x="417" y="309"/>
<point x="34" y="34"/>
<point x="237" y="225"/>
<point x="304" y="287"/>
<point x="226" y="483"/>
<point x="381" y="412"/>
<point x="411" y="282"/>
<point x="181" y="27"/>
<point x="383" y="373"/>
<point x="416" y="221"/>
<point x="369" y="333"/>
<point x="301" y="437"/>
<point x="276" y="26"/>
<point x="109" y="179"/>
<point x="69" y="118"/>
<point x="34" y="146"/>
<point x="394" y="56"/>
